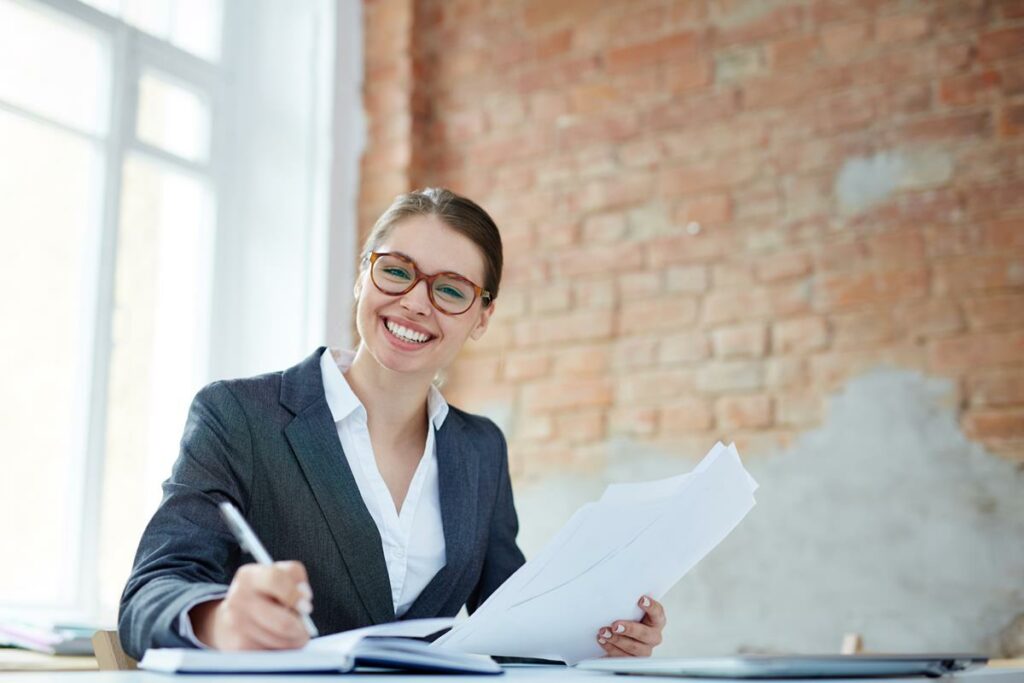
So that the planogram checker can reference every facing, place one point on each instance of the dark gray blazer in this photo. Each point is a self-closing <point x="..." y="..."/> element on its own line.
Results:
<point x="269" y="445"/>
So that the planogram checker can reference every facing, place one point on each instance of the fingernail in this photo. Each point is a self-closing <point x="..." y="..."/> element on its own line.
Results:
<point x="606" y="633"/>
<point x="304" y="606"/>
<point x="306" y="590"/>
<point x="602" y="641"/>
<point x="620" y="629"/>
<point x="645" y="601"/>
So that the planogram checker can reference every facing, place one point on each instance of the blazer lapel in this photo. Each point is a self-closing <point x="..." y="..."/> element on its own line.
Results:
<point x="314" y="439"/>
<point x="458" y="488"/>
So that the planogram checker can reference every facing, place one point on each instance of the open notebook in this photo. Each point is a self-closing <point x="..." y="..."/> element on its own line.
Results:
<point x="389" y="646"/>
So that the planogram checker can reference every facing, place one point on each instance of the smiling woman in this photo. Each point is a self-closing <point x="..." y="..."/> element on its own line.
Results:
<point x="389" y="502"/>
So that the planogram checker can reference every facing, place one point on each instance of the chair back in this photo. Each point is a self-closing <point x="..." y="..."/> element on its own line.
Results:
<point x="109" y="654"/>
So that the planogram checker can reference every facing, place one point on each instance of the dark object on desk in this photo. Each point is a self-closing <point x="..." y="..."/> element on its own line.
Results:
<point x="792" y="666"/>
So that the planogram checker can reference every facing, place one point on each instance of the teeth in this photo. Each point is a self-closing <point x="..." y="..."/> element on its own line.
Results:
<point x="405" y="334"/>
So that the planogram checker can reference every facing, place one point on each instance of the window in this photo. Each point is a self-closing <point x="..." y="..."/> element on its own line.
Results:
<point x="107" y="111"/>
<point x="164" y="184"/>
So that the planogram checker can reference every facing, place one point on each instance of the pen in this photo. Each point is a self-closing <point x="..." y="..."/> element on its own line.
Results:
<point x="246" y="538"/>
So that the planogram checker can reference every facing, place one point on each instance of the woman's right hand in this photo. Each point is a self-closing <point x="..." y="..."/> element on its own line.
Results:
<point x="262" y="610"/>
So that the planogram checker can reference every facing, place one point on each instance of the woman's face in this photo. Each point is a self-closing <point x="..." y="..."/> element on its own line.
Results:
<point x="435" y="248"/>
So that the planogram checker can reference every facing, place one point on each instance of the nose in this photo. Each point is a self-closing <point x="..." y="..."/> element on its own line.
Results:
<point x="417" y="299"/>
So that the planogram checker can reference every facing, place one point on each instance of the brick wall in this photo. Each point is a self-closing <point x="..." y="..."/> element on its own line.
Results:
<point x="716" y="213"/>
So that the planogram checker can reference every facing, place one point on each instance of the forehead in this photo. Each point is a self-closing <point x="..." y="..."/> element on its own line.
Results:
<point x="436" y="247"/>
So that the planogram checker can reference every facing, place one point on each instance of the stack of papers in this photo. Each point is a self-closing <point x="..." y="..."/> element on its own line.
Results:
<point x="638" y="539"/>
<point x="382" y="646"/>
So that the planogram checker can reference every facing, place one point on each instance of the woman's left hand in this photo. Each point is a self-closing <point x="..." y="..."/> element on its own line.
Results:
<point x="634" y="638"/>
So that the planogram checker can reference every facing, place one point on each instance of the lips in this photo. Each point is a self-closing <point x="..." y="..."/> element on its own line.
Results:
<point x="402" y="342"/>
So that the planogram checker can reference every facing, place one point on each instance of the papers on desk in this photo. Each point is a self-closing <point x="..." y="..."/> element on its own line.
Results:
<point x="638" y="539"/>
<point x="382" y="646"/>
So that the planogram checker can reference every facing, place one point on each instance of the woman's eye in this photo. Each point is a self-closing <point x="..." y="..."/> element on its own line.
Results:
<point x="397" y="272"/>
<point x="451" y="292"/>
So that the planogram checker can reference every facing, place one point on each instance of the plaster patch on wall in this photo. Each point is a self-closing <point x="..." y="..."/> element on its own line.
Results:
<point x="886" y="521"/>
<point x="863" y="182"/>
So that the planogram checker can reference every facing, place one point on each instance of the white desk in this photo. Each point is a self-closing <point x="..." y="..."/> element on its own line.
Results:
<point x="517" y="674"/>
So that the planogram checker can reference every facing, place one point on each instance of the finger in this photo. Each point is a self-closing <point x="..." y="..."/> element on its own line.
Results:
<point x="275" y="626"/>
<point x="633" y="648"/>
<point x="654" y="613"/>
<point x="611" y="650"/>
<point x="637" y="631"/>
<point x="286" y="583"/>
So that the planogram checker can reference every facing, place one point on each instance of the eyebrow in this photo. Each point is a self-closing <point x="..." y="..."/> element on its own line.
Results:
<point x="410" y="258"/>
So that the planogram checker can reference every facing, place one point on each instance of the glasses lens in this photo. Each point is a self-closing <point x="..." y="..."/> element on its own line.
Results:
<point x="393" y="274"/>
<point x="453" y="295"/>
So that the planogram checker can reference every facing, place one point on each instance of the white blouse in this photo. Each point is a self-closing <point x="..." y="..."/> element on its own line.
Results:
<point x="413" y="540"/>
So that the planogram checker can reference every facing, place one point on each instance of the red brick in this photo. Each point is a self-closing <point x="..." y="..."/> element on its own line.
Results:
<point x="730" y="375"/>
<point x="844" y="41"/>
<point x="688" y="74"/>
<point x="692" y="279"/>
<point x="685" y="416"/>
<point x="975" y="351"/>
<point x="655" y="315"/>
<point x="946" y="126"/>
<point x="595" y="295"/>
<point x="684" y="181"/>
<point x="568" y="327"/>
<point x="994" y="424"/>
<point x="728" y="306"/>
<point x="526" y="365"/>
<point x="771" y="23"/>
<point x="674" y="48"/>
<point x="799" y="335"/>
<point x="583" y="426"/>
<point x="899" y="248"/>
<point x="567" y="393"/>
<point x="685" y="347"/>
<point x="583" y="361"/>
<point x="977" y="273"/>
<point x="862" y="329"/>
<point x="786" y="372"/>
<point x="646" y="283"/>
<point x="634" y="352"/>
<point x="604" y="228"/>
<point x="744" y="412"/>
<point x="708" y="209"/>
<point x="968" y="89"/>
<point x="783" y="266"/>
<point x="748" y="340"/>
<point x="996" y="388"/>
<point x="598" y="260"/>
<point x="551" y="297"/>
<point x="793" y="52"/>
<point x="536" y="428"/>
<point x="995" y="312"/>
<point x="632" y="421"/>
<point x="1011" y="120"/>
<point x="799" y="409"/>
<point x="929" y="318"/>
<point x="732" y="275"/>
<point x="841" y="290"/>
<point x="653" y="388"/>
<point x="1001" y="44"/>
<point x="901" y="28"/>
<point x="708" y="245"/>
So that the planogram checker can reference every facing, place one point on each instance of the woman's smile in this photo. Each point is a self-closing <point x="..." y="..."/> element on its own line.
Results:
<point x="404" y="335"/>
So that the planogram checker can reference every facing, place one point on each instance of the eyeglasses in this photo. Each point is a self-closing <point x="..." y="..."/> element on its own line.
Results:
<point x="450" y="293"/>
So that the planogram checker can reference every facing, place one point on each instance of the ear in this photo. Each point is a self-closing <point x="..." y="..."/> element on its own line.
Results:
<point x="357" y="288"/>
<point x="485" y="319"/>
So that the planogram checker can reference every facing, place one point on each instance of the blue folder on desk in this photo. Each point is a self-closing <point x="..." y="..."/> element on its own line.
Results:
<point x="792" y="666"/>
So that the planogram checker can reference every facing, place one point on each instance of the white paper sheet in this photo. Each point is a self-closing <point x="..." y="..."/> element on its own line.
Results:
<point x="638" y="539"/>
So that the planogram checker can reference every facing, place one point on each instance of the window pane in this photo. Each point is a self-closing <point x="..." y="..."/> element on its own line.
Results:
<point x="196" y="26"/>
<point x="192" y="25"/>
<point x="53" y="66"/>
<point x="158" y="357"/>
<point x="173" y="118"/>
<point x="49" y="220"/>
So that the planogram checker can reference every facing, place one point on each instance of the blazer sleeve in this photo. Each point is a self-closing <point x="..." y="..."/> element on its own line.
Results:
<point x="503" y="556"/>
<point x="186" y="553"/>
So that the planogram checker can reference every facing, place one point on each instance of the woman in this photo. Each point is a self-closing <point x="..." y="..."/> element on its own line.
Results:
<point x="389" y="502"/>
